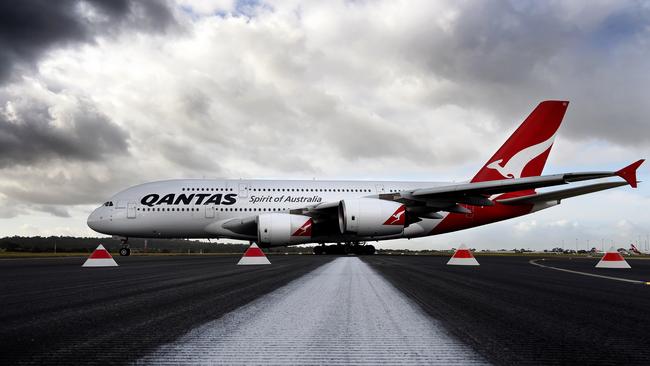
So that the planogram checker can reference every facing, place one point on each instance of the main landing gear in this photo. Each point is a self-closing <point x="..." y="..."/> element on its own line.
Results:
<point x="125" y="250"/>
<point x="345" y="249"/>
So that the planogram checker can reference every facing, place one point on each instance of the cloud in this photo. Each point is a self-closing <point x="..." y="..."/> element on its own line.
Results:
<point x="54" y="210"/>
<point x="119" y="93"/>
<point x="33" y="131"/>
<point x="29" y="28"/>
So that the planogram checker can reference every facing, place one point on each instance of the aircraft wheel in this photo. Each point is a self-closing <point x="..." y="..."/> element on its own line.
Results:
<point x="369" y="249"/>
<point x="318" y="250"/>
<point x="125" y="252"/>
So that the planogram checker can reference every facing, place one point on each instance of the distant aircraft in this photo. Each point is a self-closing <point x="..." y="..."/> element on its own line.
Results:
<point x="290" y="212"/>
<point x="635" y="250"/>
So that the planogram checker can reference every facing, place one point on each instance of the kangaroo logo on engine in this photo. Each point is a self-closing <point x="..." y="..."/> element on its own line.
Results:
<point x="189" y="199"/>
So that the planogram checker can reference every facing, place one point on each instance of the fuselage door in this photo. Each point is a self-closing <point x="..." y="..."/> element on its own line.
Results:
<point x="380" y="188"/>
<point x="243" y="190"/>
<point x="130" y="210"/>
<point x="209" y="212"/>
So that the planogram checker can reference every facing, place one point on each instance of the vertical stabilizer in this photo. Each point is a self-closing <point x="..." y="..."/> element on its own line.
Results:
<point x="525" y="152"/>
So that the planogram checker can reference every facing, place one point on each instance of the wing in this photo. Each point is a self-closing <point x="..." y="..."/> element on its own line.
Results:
<point x="427" y="202"/>
<point x="559" y="195"/>
<point x="456" y="198"/>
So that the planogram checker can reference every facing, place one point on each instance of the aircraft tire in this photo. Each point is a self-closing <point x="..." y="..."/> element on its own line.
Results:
<point x="125" y="252"/>
<point x="318" y="250"/>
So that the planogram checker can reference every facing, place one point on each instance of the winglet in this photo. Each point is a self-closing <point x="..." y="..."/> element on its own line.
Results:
<point x="629" y="173"/>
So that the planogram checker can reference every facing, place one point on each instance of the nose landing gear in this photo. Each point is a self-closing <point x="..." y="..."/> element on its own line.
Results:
<point x="125" y="250"/>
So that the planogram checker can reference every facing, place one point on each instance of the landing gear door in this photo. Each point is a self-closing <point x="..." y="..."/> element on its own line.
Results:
<point x="130" y="210"/>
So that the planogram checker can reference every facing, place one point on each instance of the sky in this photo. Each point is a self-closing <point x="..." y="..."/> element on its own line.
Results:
<point x="98" y="95"/>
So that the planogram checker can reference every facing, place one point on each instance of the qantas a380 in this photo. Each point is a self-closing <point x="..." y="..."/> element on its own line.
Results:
<point x="290" y="212"/>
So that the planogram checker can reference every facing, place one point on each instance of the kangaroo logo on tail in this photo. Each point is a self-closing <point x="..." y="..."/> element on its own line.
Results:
<point x="515" y="166"/>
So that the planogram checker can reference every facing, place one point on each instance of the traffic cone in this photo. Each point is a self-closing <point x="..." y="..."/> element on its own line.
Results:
<point x="462" y="257"/>
<point x="254" y="255"/>
<point x="100" y="258"/>
<point x="612" y="259"/>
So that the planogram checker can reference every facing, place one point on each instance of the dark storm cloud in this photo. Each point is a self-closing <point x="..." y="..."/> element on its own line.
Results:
<point x="28" y="28"/>
<point x="30" y="134"/>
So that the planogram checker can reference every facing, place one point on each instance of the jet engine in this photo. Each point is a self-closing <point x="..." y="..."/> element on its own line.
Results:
<point x="371" y="217"/>
<point x="277" y="229"/>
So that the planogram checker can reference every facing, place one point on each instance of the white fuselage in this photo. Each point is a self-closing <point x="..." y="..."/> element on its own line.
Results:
<point x="157" y="209"/>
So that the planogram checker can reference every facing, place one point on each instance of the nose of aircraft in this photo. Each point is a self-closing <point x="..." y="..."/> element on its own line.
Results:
<point x="95" y="220"/>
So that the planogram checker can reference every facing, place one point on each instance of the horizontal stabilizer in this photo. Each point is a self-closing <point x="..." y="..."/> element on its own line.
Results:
<point x="629" y="172"/>
<point x="560" y="194"/>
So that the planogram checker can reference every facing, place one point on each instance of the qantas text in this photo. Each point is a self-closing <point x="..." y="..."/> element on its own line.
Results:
<point x="189" y="199"/>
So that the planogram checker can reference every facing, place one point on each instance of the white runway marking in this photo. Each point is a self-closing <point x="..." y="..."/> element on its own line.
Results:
<point x="341" y="313"/>
<point x="534" y="263"/>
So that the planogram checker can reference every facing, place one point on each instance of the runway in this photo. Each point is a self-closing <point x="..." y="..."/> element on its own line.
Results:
<point x="53" y="311"/>
<point x="321" y="310"/>
<point x="514" y="313"/>
<point x="341" y="314"/>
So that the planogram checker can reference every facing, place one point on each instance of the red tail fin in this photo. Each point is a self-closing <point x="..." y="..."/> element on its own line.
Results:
<point x="525" y="152"/>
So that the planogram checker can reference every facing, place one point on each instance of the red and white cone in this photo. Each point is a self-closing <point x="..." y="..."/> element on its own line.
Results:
<point x="613" y="259"/>
<point x="462" y="257"/>
<point x="254" y="255"/>
<point x="100" y="258"/>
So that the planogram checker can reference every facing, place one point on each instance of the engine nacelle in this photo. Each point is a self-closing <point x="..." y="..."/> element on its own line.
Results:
<point x="276" y="229"/>
<point x="371" y="217"/>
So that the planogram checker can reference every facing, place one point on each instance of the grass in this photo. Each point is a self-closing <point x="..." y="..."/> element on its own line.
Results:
<point x="115" y="254"/>
<point x="4" y="254"/>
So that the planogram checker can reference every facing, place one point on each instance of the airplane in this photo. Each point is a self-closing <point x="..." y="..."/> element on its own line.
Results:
<point x="637" y="251"/>
<point x="291" y="212"/>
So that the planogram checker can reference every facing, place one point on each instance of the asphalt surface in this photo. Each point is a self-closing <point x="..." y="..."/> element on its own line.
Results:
<point x="514" y="313"/>
<point x="640" y="270"/>
<point x="322" y="310"/>
<point x="53" y="311"/>
<point x="343" y="313"/>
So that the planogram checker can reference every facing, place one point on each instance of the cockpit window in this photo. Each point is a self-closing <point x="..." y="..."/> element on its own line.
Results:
<point x="109" y="203"/>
